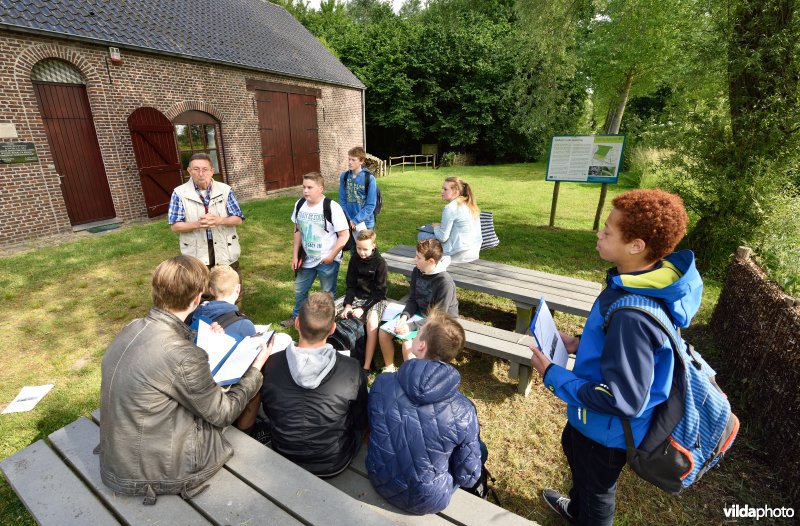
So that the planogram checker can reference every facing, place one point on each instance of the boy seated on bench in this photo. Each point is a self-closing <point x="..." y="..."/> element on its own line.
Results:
<point x="424" y="441"/>
<point x="314" y="397"/>
<point x="225" y="288"/>
<point x="162" y="413"/>
<point x="431" y="286"/>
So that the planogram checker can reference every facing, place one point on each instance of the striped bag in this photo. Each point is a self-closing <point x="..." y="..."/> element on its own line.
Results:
<point x="694" y="427"/>
<point x="490" y="239"/>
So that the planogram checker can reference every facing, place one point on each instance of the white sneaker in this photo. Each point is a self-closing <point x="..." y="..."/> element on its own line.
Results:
<point x="389" y="369"/>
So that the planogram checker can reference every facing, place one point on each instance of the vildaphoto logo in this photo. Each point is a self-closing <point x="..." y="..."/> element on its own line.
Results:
<point x="738" y="511"/>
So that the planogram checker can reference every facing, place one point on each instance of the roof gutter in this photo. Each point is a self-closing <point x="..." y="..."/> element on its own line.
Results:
<point x="152" y="51"/>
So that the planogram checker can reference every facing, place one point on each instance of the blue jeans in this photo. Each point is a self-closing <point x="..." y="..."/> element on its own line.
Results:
<point x="595" y="469"/>
<point x="305" y="278"/>
<point x="425" y="235"/>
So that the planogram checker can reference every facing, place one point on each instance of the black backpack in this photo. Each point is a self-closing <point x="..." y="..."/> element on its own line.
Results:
<point x="378" y="196"/>
<point x="230" y="317"/>
<point x="326" y="212"/>
<point x="481" y="488"/>
<point x="350" y="336"/>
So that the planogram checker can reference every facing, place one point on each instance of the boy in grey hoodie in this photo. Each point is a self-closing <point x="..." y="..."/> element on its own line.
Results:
<point x="315" y="398"/>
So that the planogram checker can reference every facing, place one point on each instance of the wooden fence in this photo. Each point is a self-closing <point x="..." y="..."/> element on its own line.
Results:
<point x="411" y="160"/>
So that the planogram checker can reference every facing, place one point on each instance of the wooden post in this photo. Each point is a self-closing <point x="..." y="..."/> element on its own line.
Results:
<point x="415" y="163"/>
<point x="600" y="205"/>
<point x="555" y="202"/>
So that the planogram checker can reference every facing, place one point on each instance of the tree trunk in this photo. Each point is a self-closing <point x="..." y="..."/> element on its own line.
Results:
<point x="617" y="107"/>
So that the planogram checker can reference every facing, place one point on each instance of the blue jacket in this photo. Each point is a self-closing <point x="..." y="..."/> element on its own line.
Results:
<point x="358" y="205"/>
<point x="627" y="371"/>
<point x="214" y="309"/>
<point x="424" y="441"/>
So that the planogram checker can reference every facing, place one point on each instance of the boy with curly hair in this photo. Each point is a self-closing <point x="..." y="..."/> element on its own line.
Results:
<point x="622" y="370"/>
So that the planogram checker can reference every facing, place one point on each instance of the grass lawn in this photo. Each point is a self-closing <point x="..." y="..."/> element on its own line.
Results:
<point x="61" y="306"/>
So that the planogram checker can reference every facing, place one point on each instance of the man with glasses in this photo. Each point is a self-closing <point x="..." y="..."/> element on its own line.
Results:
<point x="205" y="213"/>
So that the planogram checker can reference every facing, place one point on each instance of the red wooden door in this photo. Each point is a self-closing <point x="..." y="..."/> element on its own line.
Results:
<point x="305" y="135"/>
<point x="276" y="139"/>
<point x="76" y="153"/>
<point x="153" y="138"/>
<point x="287" y="123"/>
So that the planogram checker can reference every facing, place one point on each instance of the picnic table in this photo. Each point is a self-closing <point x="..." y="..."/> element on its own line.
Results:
<point x="58" y="480"/>
<point x="521" y="285"/>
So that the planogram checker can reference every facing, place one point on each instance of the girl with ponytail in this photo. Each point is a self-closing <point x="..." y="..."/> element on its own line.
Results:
<point x="460" y="229"/>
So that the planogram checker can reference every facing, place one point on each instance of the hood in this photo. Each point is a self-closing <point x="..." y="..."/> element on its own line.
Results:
<point x="213" y="309"/>
<point x="310" y="365"/>
<point x="440" y="267"/>
<point x="428" y="381"/>
<point x="675" y="282"/>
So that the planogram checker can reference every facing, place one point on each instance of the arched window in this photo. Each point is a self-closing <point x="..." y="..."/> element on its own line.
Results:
<point x="199" y="132"/>
<point x="55" y="70"/>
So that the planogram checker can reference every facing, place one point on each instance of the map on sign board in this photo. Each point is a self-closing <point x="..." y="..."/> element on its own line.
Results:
<point x="585" y="158"/>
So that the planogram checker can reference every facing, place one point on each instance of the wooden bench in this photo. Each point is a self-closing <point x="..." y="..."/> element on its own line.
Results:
<point x="59" y="482"/>
<point x="523" y="286"/>
<point x="511" y="346"/>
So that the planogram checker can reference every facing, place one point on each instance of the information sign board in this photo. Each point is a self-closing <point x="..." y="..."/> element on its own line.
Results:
<point x="585" y="158"/>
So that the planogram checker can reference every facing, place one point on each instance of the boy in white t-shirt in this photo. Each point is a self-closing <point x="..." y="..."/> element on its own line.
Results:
<point x="321" y="231"/>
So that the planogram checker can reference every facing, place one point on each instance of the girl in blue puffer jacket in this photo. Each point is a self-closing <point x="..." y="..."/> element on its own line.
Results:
<point x="424" y="442"/>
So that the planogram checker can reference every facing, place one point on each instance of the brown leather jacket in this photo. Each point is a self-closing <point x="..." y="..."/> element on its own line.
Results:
<point x="162" y="414"/>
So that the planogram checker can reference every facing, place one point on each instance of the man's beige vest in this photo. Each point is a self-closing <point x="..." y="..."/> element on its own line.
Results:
<point x="195" y="243"/>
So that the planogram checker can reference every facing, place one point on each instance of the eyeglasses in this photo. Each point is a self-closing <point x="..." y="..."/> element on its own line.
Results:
<point x="202" y="170"/>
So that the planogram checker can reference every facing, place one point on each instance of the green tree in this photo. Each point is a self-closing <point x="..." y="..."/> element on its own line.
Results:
<point x="736" y="164"/>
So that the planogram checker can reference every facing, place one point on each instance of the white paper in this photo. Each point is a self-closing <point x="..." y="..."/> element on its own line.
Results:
<point x="215" y="344"/>
<point x="263" y="328"/>
<point x="27" y="398"/>
<point x="240" y="359"/>
<point x="345" y="353"/>
<point x="392" y="310"/>
<point x="282" y="341"/>
<point x="361" y="226"/>
<point x="547" y="337"/>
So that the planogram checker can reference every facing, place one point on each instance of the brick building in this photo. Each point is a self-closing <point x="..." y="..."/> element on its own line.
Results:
<point x="102" y="102"/>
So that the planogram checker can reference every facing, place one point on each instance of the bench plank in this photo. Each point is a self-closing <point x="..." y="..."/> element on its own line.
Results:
<point x="40" y="478"/>
<point x="359" y="487"/>
<point x="309" y="498"/>
<point x="229" y="500"/>
<point x="76" y="443"/>
<point x="464" y="508"/>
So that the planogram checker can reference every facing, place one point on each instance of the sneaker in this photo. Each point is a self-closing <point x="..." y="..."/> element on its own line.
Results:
<point x="260" y="431"/>
<point x="288" y="323"/>
<point x="559" y="503"/>
<point x="389" y="369"/>
<point x="371" y="379"/>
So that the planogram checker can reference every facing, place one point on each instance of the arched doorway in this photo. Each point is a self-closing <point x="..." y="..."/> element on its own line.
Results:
<point x="153" y="140"/>
<point x="199" y="132"/>
<point x="64" y="106"/>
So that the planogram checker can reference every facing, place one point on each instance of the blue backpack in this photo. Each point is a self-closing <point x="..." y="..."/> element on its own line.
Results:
<point x="694" y="427"/>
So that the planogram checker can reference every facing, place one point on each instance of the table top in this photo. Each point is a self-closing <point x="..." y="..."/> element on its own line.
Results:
<point x="522" y="285"/>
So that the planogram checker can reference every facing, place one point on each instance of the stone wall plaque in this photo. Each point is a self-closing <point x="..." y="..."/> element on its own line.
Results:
<point x="17" y="152"/>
